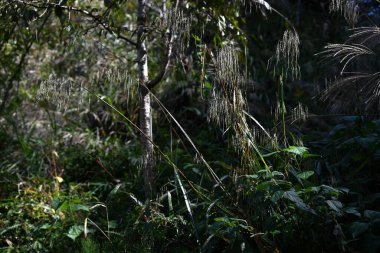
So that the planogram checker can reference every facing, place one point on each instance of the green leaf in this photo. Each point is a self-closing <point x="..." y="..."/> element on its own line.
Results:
<point x="372" y="215"/>
<point x="277" y="173"/>
<point x="55" y="203"/>
<point x="334" y="205"/>
<point x="64" y="206"/>
<point x="254" y="176"/>
<point x="314" y="189"/>
<point x="45" y="226"/>
<point x="112" y="224"/>
<point x="295" y="150"/>
<point x="196" y="38"/>
<point x="77" y="207"/>
<point x="358" y="228"/>
<point x="277" y="195"/>
<point x="305" y="175"/>
<point x="353" y="211"/>
<point x="75" y="231"/>
<point x="270" y="154"/>
<point x="196" y="171"/>
<point x="264" y="185"/>
<point x="293" y="196"/>
<point x="330" y="190"/>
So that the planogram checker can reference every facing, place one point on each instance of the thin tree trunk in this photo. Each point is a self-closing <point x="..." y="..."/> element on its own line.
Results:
<point x="144" y="104"/>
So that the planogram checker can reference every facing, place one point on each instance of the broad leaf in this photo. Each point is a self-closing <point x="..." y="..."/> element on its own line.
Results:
<point x="358" y="228"/>
<point x="293" y="196"/>
<point x="372" y="215"/>
<point x="75" y="231"/>
<point x="295" y="150"/>
<point x="305" y="175"/>
<point x="334" y="205"/>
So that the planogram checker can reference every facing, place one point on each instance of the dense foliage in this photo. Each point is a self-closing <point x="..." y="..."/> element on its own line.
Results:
<point x="189" y="126"/>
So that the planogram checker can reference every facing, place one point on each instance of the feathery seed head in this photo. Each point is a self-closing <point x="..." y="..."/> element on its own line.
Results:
<point x="179" y="24"/>
<point x="57" y="90"/>
<point x="285" y="60"/>
<point x="300" y="112"/>
<point x="348" y="8"/>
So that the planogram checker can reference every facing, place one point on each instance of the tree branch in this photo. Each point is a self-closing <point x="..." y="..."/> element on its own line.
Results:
<point x="19" y="66"/>
<point x="169" y="52"/>
<point x="95" y="18"/>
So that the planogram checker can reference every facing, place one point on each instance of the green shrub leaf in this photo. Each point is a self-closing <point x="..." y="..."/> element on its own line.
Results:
<point x="358" y="228"/>
<point x="75" y="231"/>
<point x="305" y="175"/>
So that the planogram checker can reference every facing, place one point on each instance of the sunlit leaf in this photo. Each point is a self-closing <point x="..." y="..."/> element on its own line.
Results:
<point x="305" y="175"/>
<point x="75" y="231"/>
<point x="295" y="150"/>
<point x="77" y="207"/>
<point x="59" y="179"/>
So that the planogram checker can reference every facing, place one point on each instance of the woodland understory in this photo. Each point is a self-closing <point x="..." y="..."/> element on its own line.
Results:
<point x="189" y="126"/>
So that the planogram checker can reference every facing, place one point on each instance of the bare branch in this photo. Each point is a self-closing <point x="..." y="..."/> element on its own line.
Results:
<point x="20" y="66"/>
<point x="169" y="52"/>
<point x="95" y="18"/>
<point x="168" y="55"/>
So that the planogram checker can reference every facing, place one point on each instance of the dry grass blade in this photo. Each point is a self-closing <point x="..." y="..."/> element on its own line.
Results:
<point x="105" y="207"/>
<point x="95" y="225"/>
<point x="358" y="88"/>
<point x="258" y="123"/>
<point x="353" y="91"/>
<point x="371" y="91"/>
<point x="366" y="36"/>
<point x="338" y="87"/>
<point x="188" y="204"/>
<point x="176" y="169"/>
<point x="163" y="154"/>
<point x="200" y="156"/>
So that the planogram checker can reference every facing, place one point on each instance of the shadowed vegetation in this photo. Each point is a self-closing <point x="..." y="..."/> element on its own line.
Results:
<point x="189" y="126"/>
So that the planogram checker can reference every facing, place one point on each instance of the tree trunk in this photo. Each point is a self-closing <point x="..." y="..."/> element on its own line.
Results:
<point x="145" y="113"/>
